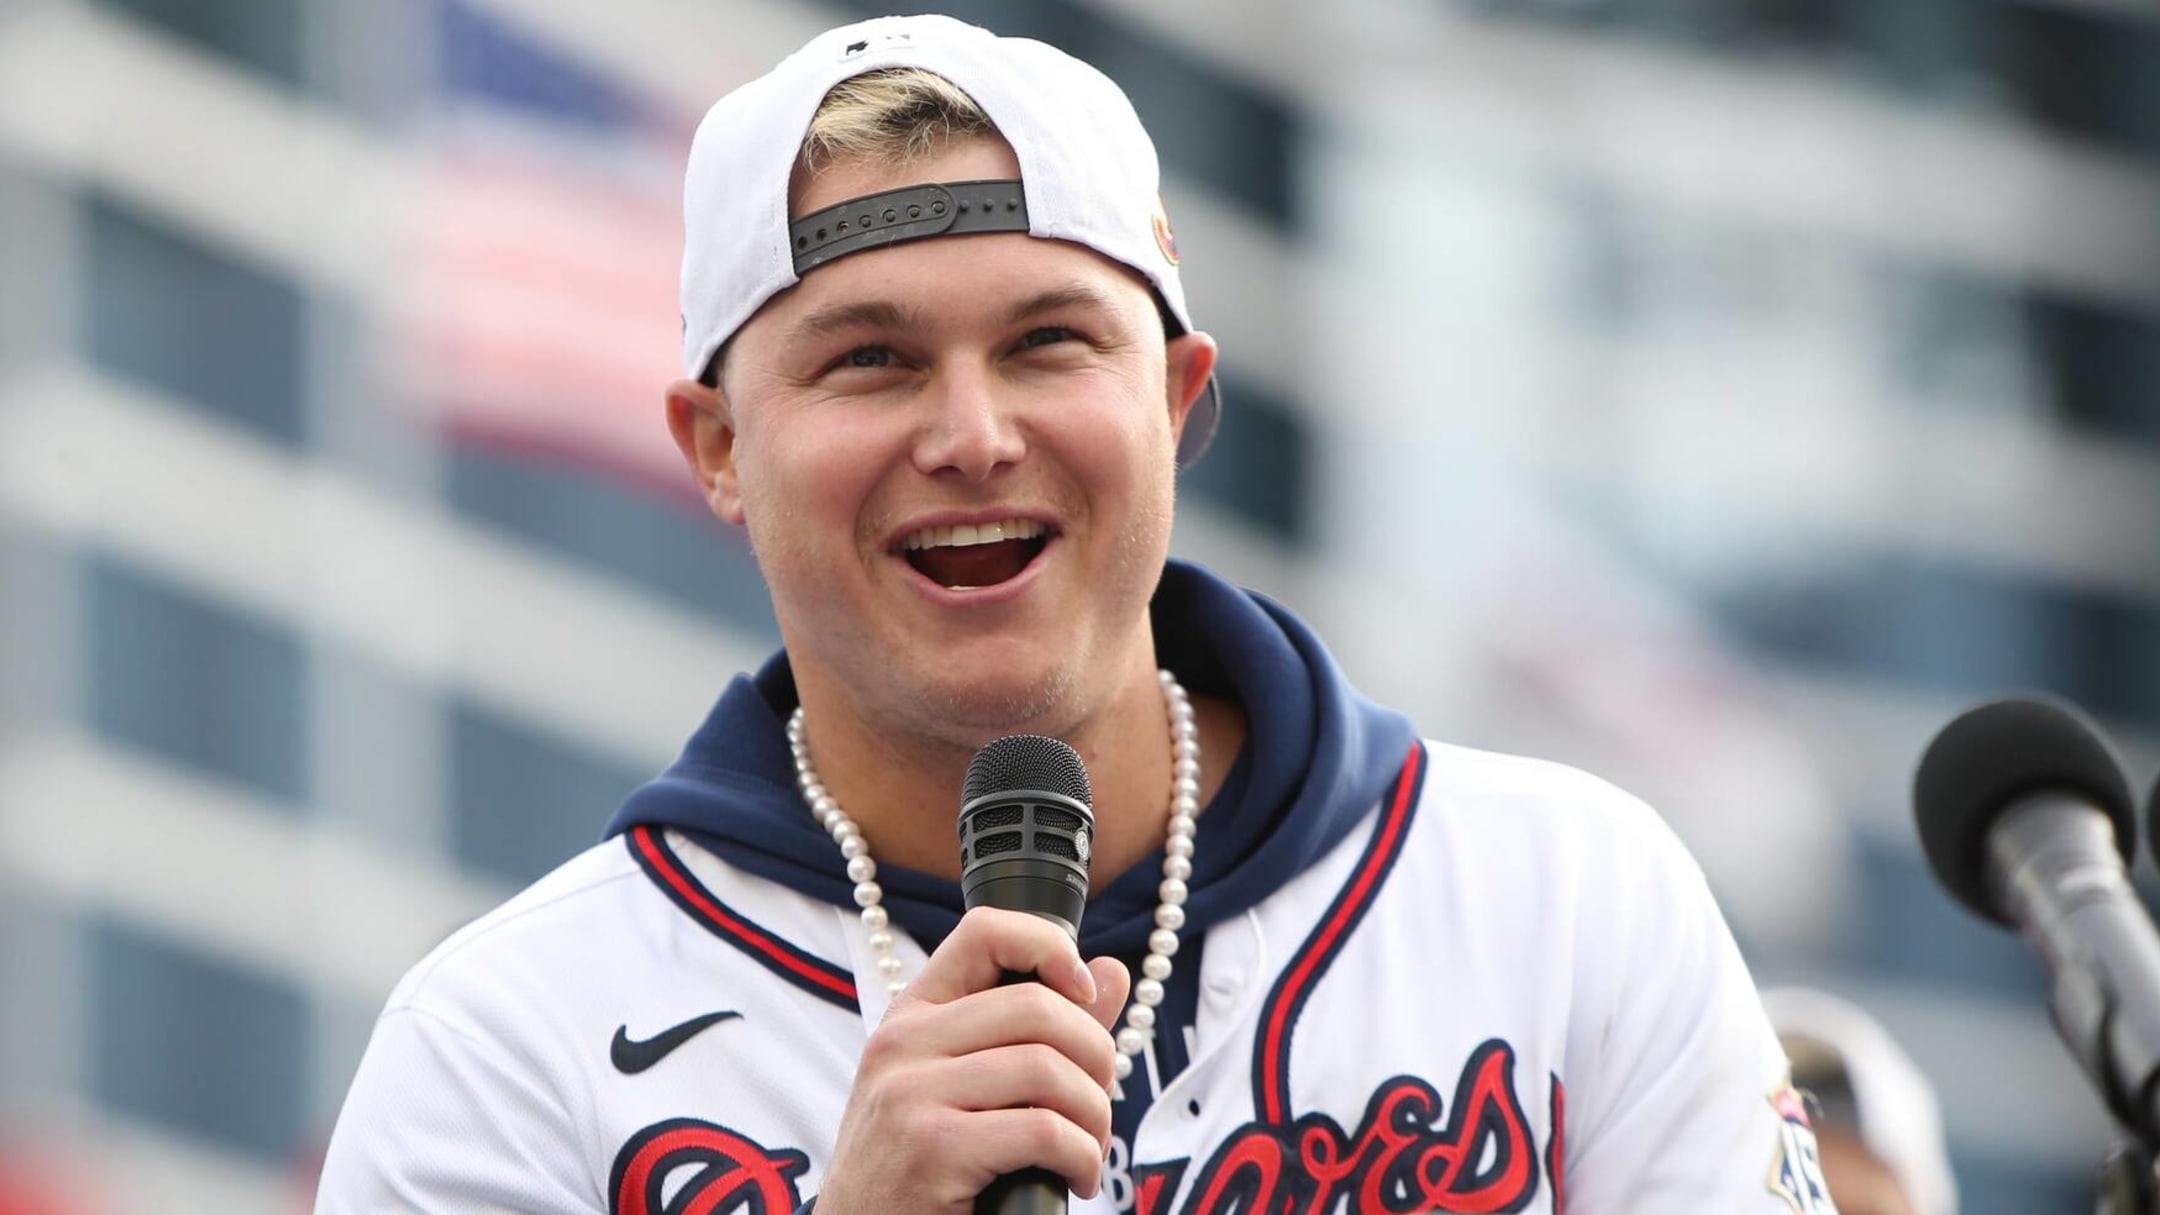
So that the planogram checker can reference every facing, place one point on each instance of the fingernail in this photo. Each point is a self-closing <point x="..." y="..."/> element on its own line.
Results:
<point x="1086" y="979"/>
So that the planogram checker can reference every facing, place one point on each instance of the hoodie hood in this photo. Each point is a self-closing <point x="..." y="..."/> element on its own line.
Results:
<point x="1317" y="758"/>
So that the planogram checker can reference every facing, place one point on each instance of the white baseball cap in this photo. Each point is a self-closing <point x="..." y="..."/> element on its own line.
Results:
<point x="1088" y="174"/>
<point x="1880" y="1094"/>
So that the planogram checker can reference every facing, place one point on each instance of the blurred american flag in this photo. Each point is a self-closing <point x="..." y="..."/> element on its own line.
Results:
<point x="537" y="306"/>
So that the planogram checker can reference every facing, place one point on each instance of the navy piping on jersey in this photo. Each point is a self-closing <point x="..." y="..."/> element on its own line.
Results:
<point x="813" y="974"/>
<point x="1278" y="1019"/>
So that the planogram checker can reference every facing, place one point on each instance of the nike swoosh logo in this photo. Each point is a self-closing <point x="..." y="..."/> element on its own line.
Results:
<point x="630" y="1057"/>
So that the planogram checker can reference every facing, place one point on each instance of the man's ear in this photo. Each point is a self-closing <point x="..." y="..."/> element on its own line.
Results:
<point x="704" y="431"/>
<point x="1189" y="360"/>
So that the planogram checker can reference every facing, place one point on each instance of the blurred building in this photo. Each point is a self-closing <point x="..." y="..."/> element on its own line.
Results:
<point x="1717" y="395"/>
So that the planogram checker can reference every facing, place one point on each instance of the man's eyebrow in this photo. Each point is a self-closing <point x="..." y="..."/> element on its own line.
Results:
<point x="885" y="314"/>
<point x="1070" y="295"/>
<point x="861" y="314"/>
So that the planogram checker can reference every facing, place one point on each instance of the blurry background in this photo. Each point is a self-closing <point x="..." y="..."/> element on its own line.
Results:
<point x="1719" y="395"/>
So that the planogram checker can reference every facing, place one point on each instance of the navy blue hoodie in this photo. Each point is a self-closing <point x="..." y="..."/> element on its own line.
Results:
<point x="1317" y="758"/>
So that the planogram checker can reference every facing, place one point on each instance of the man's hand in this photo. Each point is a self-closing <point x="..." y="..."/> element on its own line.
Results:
<point x="965" y="1080"/>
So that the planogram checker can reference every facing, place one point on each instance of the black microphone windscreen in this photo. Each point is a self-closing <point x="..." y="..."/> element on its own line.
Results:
<point x="1990" y="757"/>
<point x="1027" y="761"/>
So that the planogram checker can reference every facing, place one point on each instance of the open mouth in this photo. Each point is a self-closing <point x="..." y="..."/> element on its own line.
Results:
<point x="972" y="555"/>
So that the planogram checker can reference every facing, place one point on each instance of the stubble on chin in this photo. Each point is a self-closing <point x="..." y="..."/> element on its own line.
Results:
<point x="966" y="717"/>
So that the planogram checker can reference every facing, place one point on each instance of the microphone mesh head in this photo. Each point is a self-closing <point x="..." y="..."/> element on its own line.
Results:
<point x="1994" y="755"/>
<point x="1028" y="761"/>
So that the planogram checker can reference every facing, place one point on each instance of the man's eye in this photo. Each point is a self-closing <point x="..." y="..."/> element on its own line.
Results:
<point x="1049" y="335"/>
<point x="868" y="356"/>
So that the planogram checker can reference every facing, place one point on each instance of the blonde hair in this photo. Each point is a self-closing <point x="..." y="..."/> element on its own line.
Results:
<point x="891" y="117"/>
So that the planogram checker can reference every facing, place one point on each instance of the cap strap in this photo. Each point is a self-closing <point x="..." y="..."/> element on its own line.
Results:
<point x="956" y="208"/>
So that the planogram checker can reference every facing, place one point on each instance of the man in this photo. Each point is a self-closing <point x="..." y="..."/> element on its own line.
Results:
<point x="943" y="376"/>
<point x="1877" y="1120"/>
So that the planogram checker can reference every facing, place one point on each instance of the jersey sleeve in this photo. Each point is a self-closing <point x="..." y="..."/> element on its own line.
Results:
<point x="442" y="1122"/>
<point x="1686" y="1105"/>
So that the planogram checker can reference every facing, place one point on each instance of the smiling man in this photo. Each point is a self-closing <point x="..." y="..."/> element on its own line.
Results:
<point x="941" y="371"/>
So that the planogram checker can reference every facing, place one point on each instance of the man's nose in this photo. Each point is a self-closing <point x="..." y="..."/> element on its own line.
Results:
<point x="972" y="427"/>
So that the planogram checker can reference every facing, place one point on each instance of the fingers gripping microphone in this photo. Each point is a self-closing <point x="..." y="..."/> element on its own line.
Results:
<point x="1027" y="828"/>
<point x="2026" y="818"/>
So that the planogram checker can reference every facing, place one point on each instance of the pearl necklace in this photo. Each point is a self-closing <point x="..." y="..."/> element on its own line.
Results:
<point x="1176" y="869"/>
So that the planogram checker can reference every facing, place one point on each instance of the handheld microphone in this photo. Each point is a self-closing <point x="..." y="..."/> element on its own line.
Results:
<point x="1027" y="829"/>
<point x="2026" y="818"/>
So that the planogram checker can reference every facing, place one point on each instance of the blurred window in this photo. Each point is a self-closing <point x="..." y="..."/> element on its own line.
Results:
<point x="1917" y="935"/>
<point x="266" y="37"/>
<point x="1998" y="1184"/>
<point x="1959" y="630"/>
<point x="2102" y="363"/>
<point x="2091" y="72"/>
<point x="2084" y="71"/>
<point x="163" y="308"/>
<point x="673" y="548"/>
<point x="195" y="681"/>
<point x="526" y="803"/>
<point x="196" y="1044"/>
<point x="1258" y="466"/>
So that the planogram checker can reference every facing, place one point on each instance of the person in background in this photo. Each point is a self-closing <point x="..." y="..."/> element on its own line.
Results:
<point x="1878" y="1126"/>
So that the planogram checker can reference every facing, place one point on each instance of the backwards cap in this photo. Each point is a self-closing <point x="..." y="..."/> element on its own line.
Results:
<point x="1088" y="173"/>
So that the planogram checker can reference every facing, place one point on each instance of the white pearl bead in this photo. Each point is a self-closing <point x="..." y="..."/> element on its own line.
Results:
<point x="894" y="987"/>
<point x="881" y="940"/>
<point x="1181" y="712"/>
<point x="844" y="830"/>
<point x="1172" y="891"/>
<point x="868" y="893"/>
<point x="874" y="918"/>
<point x="1184" y="824"/>
<point x="824" y="806"/>
<point x="1179" y="845"/>
<point x="860" y="868"/>
<point x="1185" y="786"/>
<point x="1121" y="1066"/>
<point x="854" y="848"/>
<point x="1131" y="1041"/>
<point x="1155" y="966"/>
<point x="1187" y="769"/>
<point x="1140" y="1017"/>
<point x="1164" y="677"/>
<point x="889" y="966"/>
<point x="1173" y="866"/>
<point x="1148" y="992"/>
<point x="1163" y="941"/>
<point x="1169" y="915"/>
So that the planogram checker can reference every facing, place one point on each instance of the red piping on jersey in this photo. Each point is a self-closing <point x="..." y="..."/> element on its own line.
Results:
<point x="1556" y="1149"/>
<point x="818" y="976"/>
<point x="1271" y="1062"/>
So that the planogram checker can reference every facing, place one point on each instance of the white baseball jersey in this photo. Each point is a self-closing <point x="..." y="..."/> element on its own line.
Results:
<point x="1507" y="989"/>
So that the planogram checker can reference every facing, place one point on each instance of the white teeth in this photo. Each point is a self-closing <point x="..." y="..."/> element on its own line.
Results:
<point x="965" y="534"/>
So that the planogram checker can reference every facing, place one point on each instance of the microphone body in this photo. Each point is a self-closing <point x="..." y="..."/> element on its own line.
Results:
<point x="2056" y="870"/>
<point x="2025" y="817"/>
<point x="1027" y="830"/>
